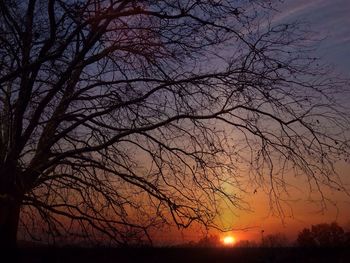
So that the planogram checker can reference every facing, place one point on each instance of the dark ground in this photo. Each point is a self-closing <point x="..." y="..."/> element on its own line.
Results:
<point x="172" y="255"/>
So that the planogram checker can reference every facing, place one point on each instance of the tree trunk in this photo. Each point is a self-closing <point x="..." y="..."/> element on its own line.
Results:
<point x="9" y="218"/>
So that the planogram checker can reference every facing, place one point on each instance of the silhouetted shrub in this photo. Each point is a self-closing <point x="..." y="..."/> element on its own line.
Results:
<point x="275" y="240"/>
<point x="209" y="241"/>
<point x="246" y="243"/>
<point x="324" y="235"/>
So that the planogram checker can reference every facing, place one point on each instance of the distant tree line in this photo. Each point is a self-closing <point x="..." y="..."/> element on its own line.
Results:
<point x="324" y="235"/>
<point x="318" y="235"/>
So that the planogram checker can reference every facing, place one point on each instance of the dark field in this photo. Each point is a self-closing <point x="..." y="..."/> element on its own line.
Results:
<point x="165" y="255"/>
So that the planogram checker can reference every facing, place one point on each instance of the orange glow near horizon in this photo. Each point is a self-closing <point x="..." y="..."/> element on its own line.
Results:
<point x="229" y="241"/>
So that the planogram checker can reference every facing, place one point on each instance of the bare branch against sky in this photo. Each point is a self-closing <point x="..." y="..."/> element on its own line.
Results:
<point x="120" y="116"/>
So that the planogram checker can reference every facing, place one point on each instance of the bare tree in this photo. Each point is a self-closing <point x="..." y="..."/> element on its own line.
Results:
<point x="118" y="116"/>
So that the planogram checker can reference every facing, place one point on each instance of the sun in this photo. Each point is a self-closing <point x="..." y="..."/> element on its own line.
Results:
<point x="229" y="241"/>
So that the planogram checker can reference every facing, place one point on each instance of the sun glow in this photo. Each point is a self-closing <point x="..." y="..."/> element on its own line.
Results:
<point x="229" y="240"/>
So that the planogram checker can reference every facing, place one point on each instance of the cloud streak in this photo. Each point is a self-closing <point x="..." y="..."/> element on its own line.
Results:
<point x="330" y="19"/>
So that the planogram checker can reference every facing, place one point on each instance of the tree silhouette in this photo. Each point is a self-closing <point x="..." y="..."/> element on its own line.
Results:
<point x="323" y="235"/>
<point x="306" y="238"/>
<point x="119" y="116"/>
<point x="274" y="240"/>
<point x="209" y="241"/>
<point x="246" y="244"/>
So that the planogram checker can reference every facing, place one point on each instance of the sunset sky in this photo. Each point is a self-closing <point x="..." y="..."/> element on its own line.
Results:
<point x="173" y="122"/>
<point x="330" y="20"/>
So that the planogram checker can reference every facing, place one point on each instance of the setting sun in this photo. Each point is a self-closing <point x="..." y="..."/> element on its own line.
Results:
<point x="229" y="240"/>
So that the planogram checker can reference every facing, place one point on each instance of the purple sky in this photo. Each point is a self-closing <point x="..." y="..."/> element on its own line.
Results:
<point x="330" y="19"/>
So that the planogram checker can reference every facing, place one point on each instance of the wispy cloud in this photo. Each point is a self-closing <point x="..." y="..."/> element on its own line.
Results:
<point x="330" y="18"/>
<point x="289" y="10"/>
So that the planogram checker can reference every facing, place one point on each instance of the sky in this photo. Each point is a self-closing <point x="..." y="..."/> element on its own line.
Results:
<point x="329" y="20"/>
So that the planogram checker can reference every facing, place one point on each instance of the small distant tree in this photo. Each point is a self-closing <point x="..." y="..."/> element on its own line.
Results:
<point x="209" y="241"/>
<point x="323" y="235"/>
<point x="347" y="239"/>
<point x="246" y="243"/>
<point x="306" y="238"/>
<point x="275" y="240"/>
